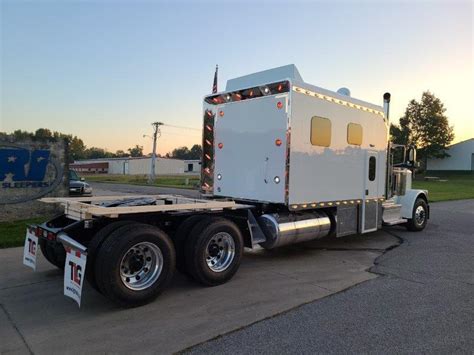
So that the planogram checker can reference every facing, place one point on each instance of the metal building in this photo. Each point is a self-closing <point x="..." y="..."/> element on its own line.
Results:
<point x="461" y="158"/>
<point x="192" y="166"/>
<point x="129" y="166"/>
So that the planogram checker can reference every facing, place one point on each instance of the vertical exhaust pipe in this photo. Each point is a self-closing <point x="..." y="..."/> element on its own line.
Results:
<point x="388" y="168"/>
<point x="386" y="105"/>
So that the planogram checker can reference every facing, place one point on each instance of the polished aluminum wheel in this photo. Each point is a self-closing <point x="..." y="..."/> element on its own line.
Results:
<point x="420" y="215"/>
<point x="220" y="252"/>
<point x="141" y="266"/>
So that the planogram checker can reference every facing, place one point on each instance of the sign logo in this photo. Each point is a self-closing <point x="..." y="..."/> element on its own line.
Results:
<point x="76" y="273"/>
<point x="31" y="246"/>
<point x="27" y="174"/>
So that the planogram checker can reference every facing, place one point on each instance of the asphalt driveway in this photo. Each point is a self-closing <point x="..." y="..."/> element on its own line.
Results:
<point x="423" y="301"/>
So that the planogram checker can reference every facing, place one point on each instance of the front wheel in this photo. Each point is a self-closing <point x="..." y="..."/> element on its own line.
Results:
<point x="213" y="251"/>
<point x="419" y="216"/>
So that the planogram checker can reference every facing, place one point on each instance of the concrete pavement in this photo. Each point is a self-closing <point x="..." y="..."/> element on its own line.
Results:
<point x="35" y="316"/>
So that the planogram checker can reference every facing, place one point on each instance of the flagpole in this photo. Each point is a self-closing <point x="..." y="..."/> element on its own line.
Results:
<point x="214" y="85"/>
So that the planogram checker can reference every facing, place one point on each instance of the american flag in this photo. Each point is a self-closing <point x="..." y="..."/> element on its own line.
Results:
<point x="214" y="86"/>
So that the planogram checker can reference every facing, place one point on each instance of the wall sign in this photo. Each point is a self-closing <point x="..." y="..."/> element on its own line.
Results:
<point x="27" y="172"/>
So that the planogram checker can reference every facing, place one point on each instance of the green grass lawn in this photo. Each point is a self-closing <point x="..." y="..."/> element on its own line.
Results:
<point x="457" y="187"/>
<point x="12" y="234"/>
<point x="178" y="181"/>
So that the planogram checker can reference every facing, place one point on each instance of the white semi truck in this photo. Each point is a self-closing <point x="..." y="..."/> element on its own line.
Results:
<point x="283" y="162"/>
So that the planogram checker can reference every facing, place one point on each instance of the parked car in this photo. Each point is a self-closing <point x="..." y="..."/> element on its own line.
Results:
<point x="78" y="185"/>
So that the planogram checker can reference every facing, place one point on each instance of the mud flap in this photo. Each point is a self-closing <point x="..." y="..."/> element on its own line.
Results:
<point x="74" y="273"/>
<point x="30" y="249"/>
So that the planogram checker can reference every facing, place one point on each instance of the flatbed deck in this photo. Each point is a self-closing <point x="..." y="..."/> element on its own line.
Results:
<point x="81" y="208"/>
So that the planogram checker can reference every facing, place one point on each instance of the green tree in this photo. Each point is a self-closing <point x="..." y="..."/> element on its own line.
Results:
<point x="425" y="126"/>
<point x="136" y="151"/>
<point x="180" y="153"/>
<point x="195" y="152"/>
<point x="185" y="153"/>
<point x="43" y="134"/>
<point x="77" y="148"/>
<point x="121" y="154"/>
<point x="19" y="134"/>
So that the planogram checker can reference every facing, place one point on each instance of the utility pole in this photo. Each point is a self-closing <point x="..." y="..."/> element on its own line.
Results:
<point x="156" y="132"/>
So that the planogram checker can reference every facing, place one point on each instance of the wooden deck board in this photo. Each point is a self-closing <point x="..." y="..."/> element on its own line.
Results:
<point x="84" y="207"/>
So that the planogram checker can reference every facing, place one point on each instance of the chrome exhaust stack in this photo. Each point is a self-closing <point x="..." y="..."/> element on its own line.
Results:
<point x="386" y="105"/>
<point x="388" y="167"/>
<point x="286" y="229"/>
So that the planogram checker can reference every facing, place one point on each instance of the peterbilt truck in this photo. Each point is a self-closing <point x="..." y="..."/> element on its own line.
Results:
<point x="283" y="162"/>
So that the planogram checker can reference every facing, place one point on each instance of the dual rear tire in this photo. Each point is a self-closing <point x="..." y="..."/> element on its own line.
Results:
<point x="53" y="252"/>
<point x="132" y="263"/>
<point x="213" y="251"/>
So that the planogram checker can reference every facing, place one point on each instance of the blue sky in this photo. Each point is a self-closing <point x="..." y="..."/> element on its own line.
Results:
<point x="104" y="70"/>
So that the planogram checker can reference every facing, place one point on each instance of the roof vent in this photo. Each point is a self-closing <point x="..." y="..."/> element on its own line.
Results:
<point x="344" y="91"/>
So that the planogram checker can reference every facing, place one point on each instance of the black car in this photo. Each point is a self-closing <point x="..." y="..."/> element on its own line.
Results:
<point x="77" y="185"/>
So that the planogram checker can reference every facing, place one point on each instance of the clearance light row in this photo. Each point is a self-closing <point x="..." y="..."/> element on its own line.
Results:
<point x="251" y="93"/>
<point x="334" y="203"/>
<point x="337" y="101"/>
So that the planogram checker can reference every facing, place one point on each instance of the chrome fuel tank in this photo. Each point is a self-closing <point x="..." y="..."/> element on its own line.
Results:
<point x="285" y="229"/>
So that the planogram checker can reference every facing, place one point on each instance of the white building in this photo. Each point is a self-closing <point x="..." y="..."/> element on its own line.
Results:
<point x="129" y="166"/>
<point x="192" y="166"/>
<point x="461" y="158"/>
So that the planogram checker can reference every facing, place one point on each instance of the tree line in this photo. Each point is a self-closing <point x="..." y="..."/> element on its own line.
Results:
<point x="79" y="151"/>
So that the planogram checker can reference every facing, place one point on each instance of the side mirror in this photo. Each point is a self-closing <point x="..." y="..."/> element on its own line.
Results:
<point x="82" y="179"/>
<point x="412" y="155"/>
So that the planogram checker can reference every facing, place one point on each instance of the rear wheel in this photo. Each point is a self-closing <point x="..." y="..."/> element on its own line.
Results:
<point x="419" y="216"/>
<point x="181" y="236"/>
<point x="53" y="252"/>
<point x="134" y="264"/>
<point x="94" y="246"/>
<point x="213" y="254"/>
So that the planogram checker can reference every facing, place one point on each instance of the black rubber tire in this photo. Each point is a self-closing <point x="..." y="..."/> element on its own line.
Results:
<point x="195" y="251"/>
<point x="110" y="254"/>
<point x="94" y="246"/>
<point x="53" y="252"/>
<point x="180" y="237"/>
<point x="412" y="224"/>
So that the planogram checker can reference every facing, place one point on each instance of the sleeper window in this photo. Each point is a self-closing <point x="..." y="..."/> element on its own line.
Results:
<point x="372" y="168"/>
<point x="354" y="134"/>
<point x="320" y="131"/>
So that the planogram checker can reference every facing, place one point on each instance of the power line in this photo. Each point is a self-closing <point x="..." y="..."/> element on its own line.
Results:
<point x="182" y="127"/>
<point x="181" y="134"/>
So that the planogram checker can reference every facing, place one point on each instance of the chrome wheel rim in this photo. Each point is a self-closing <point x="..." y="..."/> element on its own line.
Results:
<point x="141" y="266"/>
<point x="420" y="215"/>
<point x="220" y="252"/>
